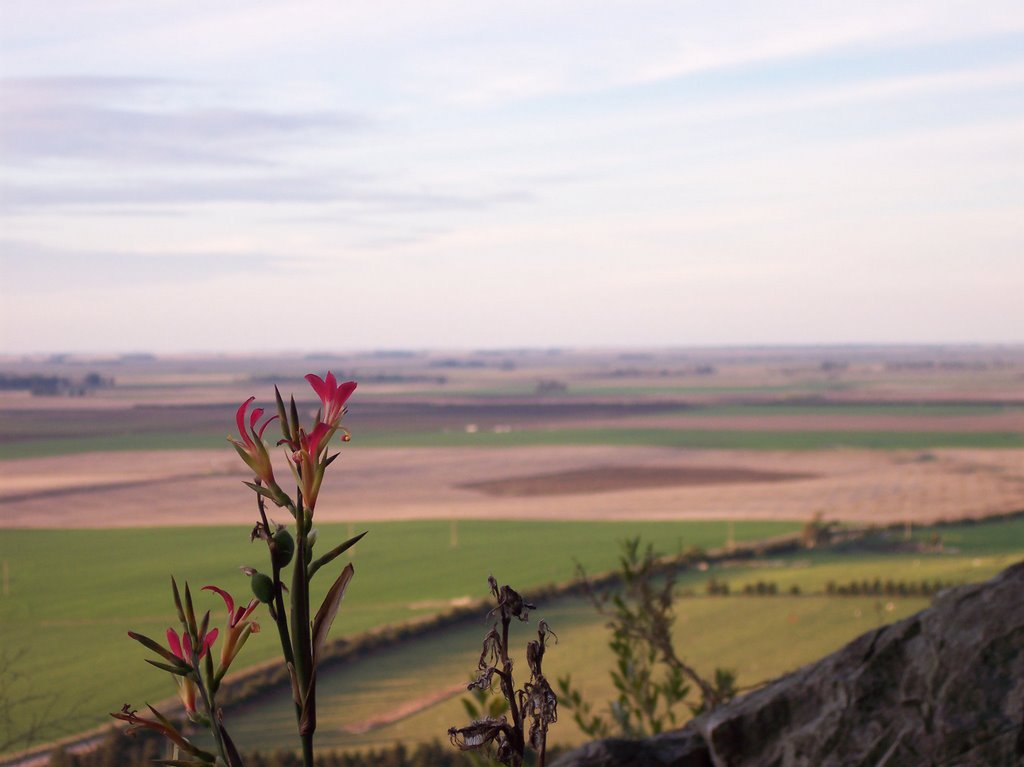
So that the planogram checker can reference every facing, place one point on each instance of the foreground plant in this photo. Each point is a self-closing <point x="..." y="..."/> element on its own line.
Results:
<point x="302" y="634"/>
<point x="188" y="658"/>
<point x="652" y="681"/>
<point x="494" y="734"/>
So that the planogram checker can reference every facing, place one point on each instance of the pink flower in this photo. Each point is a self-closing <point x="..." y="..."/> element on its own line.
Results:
<point x="310" y="469"/>
<point x="251" y="448"/>
<point x="238" y="628"/>
<point x="183" y="649"/>
<point x="313" y="444"/>
<point x="332" y="396"/>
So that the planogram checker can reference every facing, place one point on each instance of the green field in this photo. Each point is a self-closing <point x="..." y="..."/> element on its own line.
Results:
<point x="921" y="409"/>
<point x="42" y="448"/>
<point x="760" y="637"/>
<point x="641" y="388"/>
<point x="73" y="594"/>
<point x="679" y="438"/>
<point x="70" y="619"/>
<point x="705" y="439"/>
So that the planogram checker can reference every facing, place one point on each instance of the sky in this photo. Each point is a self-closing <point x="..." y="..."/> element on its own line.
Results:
<point x="183" y="176"/>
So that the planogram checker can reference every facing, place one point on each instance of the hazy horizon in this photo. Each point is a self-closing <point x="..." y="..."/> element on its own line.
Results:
<point x="188" y="176"/>
<point x="638" y="350"/>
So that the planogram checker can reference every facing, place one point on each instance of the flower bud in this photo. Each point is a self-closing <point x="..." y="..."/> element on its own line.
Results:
<point x="262" y="587"/>
<point x="283" y="548"/>
<point x="311" y="537"/>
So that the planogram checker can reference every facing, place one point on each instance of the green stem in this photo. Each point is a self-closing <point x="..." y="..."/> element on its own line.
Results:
<point x="208" y="691"/>
<point x="307" y="750"/>
<point x="278" y="612"/>
<point x="301" y="640"/>
<point x="279" y="615"/>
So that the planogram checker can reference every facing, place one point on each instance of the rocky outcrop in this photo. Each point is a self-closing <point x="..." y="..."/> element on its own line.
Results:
<point x="943" y="687"/>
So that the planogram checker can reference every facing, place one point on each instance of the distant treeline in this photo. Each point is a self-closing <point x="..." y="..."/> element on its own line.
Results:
<point x="44" y="385"/>
<point x="144" y="748"/>
<point x="875" y="588"/>
<point x="637" y="372"/>
<point x="977" y="365"/>
<point x="888" y="588"/>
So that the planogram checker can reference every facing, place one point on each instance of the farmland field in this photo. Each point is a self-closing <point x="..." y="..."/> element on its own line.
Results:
<point x="514" y="460"/>
<point x="408" y="693"/>
<point x="362" y="706"/>
<point x="63" y="594"/>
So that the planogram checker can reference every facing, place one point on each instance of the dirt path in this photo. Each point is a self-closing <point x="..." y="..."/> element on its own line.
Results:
<point x="406" y="710"/>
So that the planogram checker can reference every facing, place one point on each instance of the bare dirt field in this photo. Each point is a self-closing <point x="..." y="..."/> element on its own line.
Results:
<point x="161" y="488"/>
<point x="617" y="478"/>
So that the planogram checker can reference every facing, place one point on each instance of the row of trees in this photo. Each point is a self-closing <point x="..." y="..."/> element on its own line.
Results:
<point x="889" y="588"/>
<point x="875" y="588"/>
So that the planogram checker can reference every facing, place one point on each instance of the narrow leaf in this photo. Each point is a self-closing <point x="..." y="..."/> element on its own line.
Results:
<point x="190" y="613"/>
<point x="160" y="650"/>
<point x="161" y="718"/>
<point x="259" y="489"/>
<point x="329" y="609"/>
<point x="307" y="722"/>
<point x="234" y="758"/>
<point x="296" y="695"/>
<point x="282" y="415"/>
<point x="334" y="553"/>
<point x="295" y="419"/>
<point x="177" y="670"/>
<point x="202" y="630"/>
<point x="177" y="601"/>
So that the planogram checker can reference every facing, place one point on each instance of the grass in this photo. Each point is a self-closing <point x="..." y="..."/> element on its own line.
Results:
<point x="74" y="593"/>
<point x="760" y="637"/>
<point x="43" y="448"/>
<point x="811" y="386"/>
<point x="979" y="539"/>
<point x="528" y="389"/>
<point x="923" y="409"/>
<point x="705" y="439"/>
<point x="681" y="438"/>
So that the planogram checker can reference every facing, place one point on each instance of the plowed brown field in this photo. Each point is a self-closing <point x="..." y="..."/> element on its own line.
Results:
<point x="204" y="487"/>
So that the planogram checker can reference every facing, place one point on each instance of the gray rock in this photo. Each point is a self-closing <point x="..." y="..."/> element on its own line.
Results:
<point x="682" y="748"/>
<point x="943" y="687"/>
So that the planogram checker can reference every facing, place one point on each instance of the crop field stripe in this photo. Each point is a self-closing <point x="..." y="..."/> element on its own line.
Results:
<point x="681" y="438"/>
<point x="706" y="439"/>
<point x="924" y="410"/>
<point x="42" y="448"/>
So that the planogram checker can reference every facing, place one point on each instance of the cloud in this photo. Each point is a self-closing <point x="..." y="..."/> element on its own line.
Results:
<point x="316" y="190"/>
<point x="131" y="121"/>
<point x="145" y="142"/>
<point x="30" y="268"/>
